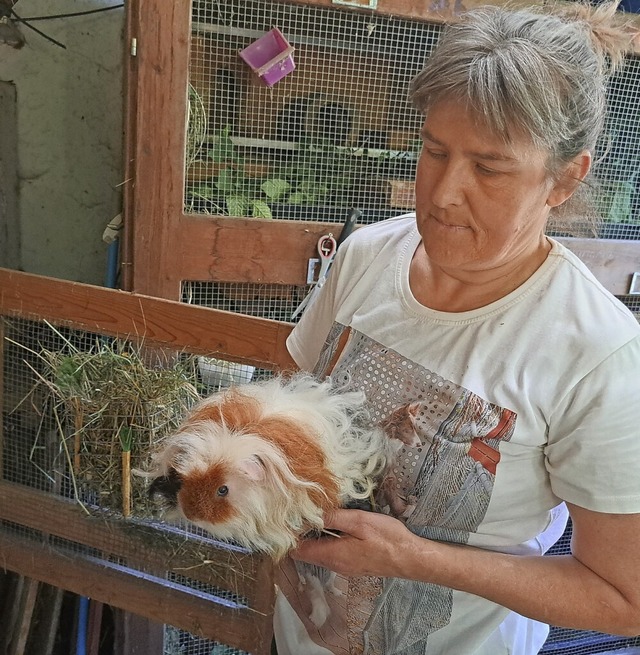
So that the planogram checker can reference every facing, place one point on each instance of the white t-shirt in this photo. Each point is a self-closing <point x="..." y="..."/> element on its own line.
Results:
<point x="518" y="406"/>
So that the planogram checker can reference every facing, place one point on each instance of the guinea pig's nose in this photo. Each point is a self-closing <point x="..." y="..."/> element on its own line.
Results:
<point x="167" y="486"/>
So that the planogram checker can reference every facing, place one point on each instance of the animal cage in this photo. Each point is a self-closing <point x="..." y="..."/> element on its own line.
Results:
<point x="252" y="174"/>
<point x="91" y="380"/>
<point x="255" y="173"/>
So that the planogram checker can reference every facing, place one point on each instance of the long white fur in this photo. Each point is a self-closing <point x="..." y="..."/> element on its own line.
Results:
<point x="273" y="505"/>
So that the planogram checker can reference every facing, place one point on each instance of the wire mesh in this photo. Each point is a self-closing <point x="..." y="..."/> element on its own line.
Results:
<point x="338" y="130"/>
<point x="617" y="157"/>
<point x="63" y="432"/>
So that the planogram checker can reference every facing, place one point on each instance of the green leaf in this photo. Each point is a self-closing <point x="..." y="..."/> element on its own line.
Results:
<point x="275" y="188"/>
<point x="126" y="438"/>
<point x="223" y="149"/>
<point x="615" y="201"/>
<point x="297" y="198"/>
<point x="260" y="209"/>
<point x="237" y="205"/>
<point x="226" y="181"/>
<point x="68" y="374"/>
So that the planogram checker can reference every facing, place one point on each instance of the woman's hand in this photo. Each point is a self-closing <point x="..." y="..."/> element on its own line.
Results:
<point x="368" y="544"/>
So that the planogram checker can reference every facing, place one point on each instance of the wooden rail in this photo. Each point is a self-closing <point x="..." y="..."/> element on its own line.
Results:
<point x="140" y="585"/>
<point x="198" y="330"/>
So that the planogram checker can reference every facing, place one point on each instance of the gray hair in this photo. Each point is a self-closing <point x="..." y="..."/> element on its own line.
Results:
<point x="538" y="74"/>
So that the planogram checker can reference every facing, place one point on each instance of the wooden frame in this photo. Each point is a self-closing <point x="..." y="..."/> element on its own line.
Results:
<point x="163" y="246"/>
<point x="149" y="551"/>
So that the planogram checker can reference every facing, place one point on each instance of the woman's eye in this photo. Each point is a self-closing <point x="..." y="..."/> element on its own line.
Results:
<point x="435" y="154"/>
<point x="486" y="171"/>
<point x="223" y="490"/>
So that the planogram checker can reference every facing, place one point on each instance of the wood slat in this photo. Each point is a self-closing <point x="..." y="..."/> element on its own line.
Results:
<point x="443" y="12"/>
<point x="138" y="592"/>
<point x="162" y="30"/>
<point x="198" y="330"/>
<point x="250" y="250"/>
<point x="612" y="261"/>
<point x="151" y="547"/>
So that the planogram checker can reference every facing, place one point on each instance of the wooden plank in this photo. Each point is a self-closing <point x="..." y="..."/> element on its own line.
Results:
<point x="26" y="606"/>
<point x="137" y="635"/>
<point x="248" y="250"/>
<point x="130" y="82"/>
<point x="422" y="10"/>
<point x="140" y="593"/>
<point x="198" y="330"/>
<point x="151" y="547"/>
<point x="444" y="11"/>
<point x="94" y="627"/>
<point x="251" y="250"/>
<point x="612" y="261"/>
<point x="43" y="634"/>
<point x="10" y="609"/>
<point x="163" y="36"/>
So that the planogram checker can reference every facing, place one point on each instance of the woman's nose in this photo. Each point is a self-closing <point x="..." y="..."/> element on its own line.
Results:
<point x="447" y="184"/>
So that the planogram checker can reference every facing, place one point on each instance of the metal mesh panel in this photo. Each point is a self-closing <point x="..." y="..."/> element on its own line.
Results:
<point x="274" y="301"/>
<point x="337" y="132"/>
<point x="617" y="158"/>
<point x="63" y="432"/>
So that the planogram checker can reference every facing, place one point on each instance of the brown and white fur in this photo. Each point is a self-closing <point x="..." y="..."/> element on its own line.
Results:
<point x="260" y="464"/>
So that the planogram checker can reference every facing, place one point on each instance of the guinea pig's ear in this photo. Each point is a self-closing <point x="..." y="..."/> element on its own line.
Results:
<point x="253" y="468"/>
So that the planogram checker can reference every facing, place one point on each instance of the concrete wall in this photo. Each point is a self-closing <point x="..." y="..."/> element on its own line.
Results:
<point x="68" y="110"/>
<point x="9" y="225"/>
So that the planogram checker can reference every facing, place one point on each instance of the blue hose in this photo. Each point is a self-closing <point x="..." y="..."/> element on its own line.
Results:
<point x="111" y="279"/>
<point x="83" y="620"/>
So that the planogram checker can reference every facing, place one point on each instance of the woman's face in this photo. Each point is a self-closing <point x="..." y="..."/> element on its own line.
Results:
<point x="480" y="203"/>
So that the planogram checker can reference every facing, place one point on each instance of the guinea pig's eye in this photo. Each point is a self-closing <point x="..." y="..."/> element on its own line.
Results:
<point x="223" y="490"/>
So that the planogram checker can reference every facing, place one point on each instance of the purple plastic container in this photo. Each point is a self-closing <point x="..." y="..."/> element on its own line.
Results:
<point x="270" y="57"/>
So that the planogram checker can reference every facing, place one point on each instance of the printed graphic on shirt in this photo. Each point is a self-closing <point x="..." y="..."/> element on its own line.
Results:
<point x="447" y="443"/>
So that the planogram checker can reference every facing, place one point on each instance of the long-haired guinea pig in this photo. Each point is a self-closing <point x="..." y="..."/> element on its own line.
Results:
<point x="260" y="464"/>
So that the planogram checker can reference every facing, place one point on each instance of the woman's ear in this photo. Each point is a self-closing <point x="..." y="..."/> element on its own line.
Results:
<point x="570" y="178"/>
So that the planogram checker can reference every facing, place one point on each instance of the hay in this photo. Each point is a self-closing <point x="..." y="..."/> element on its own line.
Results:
<point x="112" y="409"/>
<point x="196" y="127"/>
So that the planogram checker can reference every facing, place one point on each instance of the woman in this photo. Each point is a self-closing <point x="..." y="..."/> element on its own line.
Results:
<point x="514" y="367"/>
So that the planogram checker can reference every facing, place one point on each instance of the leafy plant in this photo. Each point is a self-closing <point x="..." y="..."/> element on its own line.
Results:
<point x="617" y="171"/>
<point x="315" y="173"/>
<point x="234" y="191"/>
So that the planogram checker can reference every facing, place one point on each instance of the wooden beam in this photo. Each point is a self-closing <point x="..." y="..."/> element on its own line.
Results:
<point x="149" y="546"/>
<point x="198" y="330"/>
<point x="134" y="591"/>
<point x="612" y="261"/>
<point x="160" y="134"/>
<point x="276" y="252"/>
<point x="445" y="12"/>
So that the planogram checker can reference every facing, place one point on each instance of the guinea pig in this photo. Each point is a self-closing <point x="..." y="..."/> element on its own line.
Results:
<point x="261" y="463"/>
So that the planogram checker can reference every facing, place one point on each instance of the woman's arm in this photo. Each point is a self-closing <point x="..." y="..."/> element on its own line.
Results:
<point x="596" y="588"/>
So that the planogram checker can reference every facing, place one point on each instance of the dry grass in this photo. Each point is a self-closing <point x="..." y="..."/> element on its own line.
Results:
<point x="112" y="407"/>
